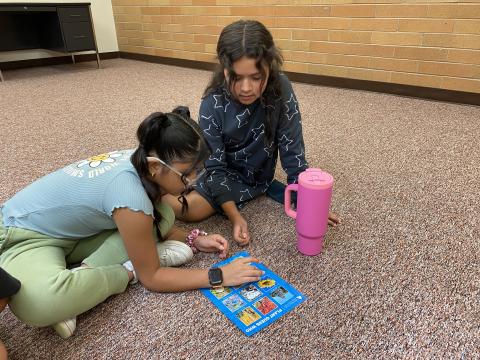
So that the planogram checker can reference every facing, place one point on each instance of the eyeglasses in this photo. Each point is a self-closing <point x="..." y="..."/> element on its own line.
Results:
<point x="190" y="182"/>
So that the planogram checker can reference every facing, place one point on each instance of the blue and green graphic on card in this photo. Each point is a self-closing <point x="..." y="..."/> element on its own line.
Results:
<point x="253" y="306"/>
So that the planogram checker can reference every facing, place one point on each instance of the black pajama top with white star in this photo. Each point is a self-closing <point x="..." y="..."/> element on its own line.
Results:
<point x="242" y="165"/>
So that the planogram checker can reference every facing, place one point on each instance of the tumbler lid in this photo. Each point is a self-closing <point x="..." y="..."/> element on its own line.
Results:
<point x="313" y="178"/>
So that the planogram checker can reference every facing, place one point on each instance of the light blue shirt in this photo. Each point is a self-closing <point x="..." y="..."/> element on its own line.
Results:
<point x="78" y="200"/>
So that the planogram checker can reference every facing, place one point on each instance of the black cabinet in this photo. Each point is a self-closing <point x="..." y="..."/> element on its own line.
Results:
<point x="62" y="27"/>
<point x="78" y="36"/>
<point x="73" y="14"/>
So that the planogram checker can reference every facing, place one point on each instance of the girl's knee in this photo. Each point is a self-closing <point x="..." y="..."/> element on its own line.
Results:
<point x="40" y="304"/>
<point x="36" y="309"/>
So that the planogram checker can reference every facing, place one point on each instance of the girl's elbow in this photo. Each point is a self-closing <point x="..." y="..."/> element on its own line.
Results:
<point x="154" y="283"/>
<point x="149" y="282"/>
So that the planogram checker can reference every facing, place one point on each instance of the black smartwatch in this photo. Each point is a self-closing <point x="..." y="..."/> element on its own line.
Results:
<point x="215" y="277"/>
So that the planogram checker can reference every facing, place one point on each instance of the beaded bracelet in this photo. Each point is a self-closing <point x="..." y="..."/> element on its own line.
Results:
<point x="191" y="238"/>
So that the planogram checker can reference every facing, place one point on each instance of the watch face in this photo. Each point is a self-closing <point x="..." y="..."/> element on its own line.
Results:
<point x="215" y="276"/>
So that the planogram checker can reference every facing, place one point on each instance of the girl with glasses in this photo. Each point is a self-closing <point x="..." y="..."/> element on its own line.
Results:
<point x="82" y="233"/>
<point x="249" y="115"/>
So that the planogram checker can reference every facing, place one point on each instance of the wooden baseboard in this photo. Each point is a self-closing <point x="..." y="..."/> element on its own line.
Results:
<point x="454" y="96"/>
<point x="56" y="60"/>
<point x="192" y="64"/>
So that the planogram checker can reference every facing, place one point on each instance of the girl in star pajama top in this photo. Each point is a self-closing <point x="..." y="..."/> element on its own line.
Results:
<point x="243" y="161"/>
<point x="249" y="115"/>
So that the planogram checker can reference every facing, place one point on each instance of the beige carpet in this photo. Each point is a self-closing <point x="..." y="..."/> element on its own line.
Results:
<point x="399" y="279"/>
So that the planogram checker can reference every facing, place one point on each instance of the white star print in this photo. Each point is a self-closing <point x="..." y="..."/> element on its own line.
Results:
<point x="217" y="155"/>
<point x="218" y="103"/>
<point x="215" y="124"/>
<point x="245" y="191"/>
<point x="244" y="157"/>
<point x="249" y="172"/>
<point x="242" y="118"/>
<point x="258" y="131"/>
<point x="233" y="175"/>
<point x="224" y="183"/>
<point x="287" y="141"/>
<point x="294" y="109"/>
<point x="298" y="157"/>
<point x="207" y="117"/>
<point x="208" y="131"/>
<point x="268" y="150"/>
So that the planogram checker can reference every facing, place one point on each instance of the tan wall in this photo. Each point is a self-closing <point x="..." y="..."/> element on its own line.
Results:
<point x="426" y="43"/>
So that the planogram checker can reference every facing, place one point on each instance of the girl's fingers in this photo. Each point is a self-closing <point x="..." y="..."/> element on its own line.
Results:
<point x="237" y="234"/>
<point x="241" y="241"/>
<point x="218" y="244"/>
<point x="248" y="260"/>
<point x="244" y="237"/>
<point x="221" y="240"/>
<point x="221" y="247"/>
<point x="255" y="272"/>
<point x="219" y="237"/>
<point x="251" y="278"/>
<point x="333" y="218"/>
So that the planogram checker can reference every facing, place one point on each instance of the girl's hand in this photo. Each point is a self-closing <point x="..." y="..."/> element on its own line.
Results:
<point x="212" y="243"/>
<point x="240" y="271"/>
<point x="333" y="219"/>
<point x="240" y="230"/>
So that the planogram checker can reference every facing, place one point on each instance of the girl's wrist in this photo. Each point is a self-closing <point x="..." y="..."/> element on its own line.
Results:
<point x="235" y="216"/>
<point x="192" y="236"/>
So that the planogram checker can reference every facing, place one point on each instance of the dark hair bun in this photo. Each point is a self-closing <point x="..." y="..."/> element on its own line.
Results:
<point x="182" y="111"/>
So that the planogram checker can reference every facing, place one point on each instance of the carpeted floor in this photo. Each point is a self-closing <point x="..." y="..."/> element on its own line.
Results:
<point x="399" y="278"/>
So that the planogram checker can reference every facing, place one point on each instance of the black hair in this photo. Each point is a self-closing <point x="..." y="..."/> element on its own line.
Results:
<point x="251" y="39"/>
<point x="171" y="137"/>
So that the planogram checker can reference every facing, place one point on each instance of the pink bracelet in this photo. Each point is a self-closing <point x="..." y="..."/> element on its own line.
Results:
<point x="191" y="238"/>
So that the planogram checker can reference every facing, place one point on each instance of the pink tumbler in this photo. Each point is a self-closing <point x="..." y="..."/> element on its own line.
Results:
<point x="314" y="190"/>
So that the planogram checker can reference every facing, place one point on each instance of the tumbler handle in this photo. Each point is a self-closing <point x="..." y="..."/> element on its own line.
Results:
<point x="288" y="200"/>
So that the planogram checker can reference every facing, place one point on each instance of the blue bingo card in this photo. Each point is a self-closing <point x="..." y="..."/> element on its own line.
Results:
<point x="253" y="306"/>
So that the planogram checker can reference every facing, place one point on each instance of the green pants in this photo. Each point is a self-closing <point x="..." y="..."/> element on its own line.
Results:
<point x="50" y="292"/>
